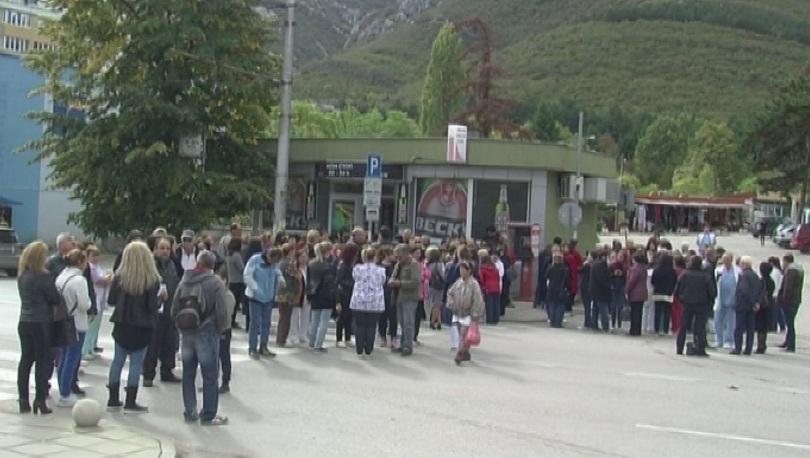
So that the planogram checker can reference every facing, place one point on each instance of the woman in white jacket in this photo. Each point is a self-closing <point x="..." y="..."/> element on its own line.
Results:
<point x="72" y="285"/>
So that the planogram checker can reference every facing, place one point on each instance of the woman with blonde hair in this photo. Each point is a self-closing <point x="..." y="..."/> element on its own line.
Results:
<point x="38" y="296"/>
<point x="134" y="296"/>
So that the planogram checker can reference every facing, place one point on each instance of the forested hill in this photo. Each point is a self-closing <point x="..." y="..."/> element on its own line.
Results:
<point x="715" y="57"/>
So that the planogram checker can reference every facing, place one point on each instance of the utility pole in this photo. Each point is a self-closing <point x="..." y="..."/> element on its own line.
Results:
<point x="283" y="155"/>
<point x="579" y="166"/>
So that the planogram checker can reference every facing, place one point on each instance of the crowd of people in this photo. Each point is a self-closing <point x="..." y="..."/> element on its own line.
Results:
<point x="190" y="296"/>
<point x="680" y="291"/>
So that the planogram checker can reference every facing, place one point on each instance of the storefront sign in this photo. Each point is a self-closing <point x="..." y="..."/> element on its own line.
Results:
<point x="442" y="208"/>
<point x="355" y="170"/>
<point x="457" y="144"/>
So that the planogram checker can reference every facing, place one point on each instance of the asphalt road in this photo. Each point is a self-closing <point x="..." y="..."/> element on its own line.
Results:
<point x="529" y="391"/>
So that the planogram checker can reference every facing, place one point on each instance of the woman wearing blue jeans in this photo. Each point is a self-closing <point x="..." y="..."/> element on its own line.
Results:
<point x="134" y="294"/>
<point x="262" y="277"/>
<point x="72" y="286"/>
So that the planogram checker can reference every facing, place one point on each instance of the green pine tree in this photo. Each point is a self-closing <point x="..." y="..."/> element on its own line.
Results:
<point x="441" y="94"/>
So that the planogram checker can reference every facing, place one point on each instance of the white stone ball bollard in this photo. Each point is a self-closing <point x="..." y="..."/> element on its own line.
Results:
<point x="87" y="413"/>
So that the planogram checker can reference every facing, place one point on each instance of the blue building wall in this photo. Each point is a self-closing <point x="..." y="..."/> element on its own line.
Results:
<point x="19" y="177"/>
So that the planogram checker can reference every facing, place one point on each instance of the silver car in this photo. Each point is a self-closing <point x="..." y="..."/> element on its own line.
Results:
<point x="10" y="250"/>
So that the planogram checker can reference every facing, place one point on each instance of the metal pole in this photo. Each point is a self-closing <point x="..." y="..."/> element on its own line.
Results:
<point x="579" y="171"/>
<point x="283" y="156"/>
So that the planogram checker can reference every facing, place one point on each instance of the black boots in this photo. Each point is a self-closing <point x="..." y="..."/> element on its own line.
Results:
<point x="131" y="405"/>
<point x="761" y="342"/>
<point x="114" y="402"/>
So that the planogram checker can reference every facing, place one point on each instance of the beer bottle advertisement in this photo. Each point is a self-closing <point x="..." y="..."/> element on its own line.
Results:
<point x="442" y="207"/>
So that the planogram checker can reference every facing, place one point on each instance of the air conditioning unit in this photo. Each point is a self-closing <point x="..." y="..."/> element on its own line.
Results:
<point x="568" y="186"/>
<point x="602" y="190"/>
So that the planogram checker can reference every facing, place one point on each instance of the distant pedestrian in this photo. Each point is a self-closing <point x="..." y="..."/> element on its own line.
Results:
<point x="748" y="296"/>
<point x="38" y="296"/>
<point x="235" y="268"/>
<point x="557" y="283"/>
<point x="436" y="284"/>
<point x="288" y="292"/>
<point x="585" y="291"/>
<point x="134" y="297"/>
<point x="299" y="323"/>
<point x="165" y="339"/>
<point x="762" y="318"/>
<point x="262" y="278"/>
<point x="321" y="293"/>
<point x="600" y="291"/>
<point x="618" y="277"/>
<point x="664" y="279"/>
<point x="405" y="281"/>
<point x="694" y="293"/>
<point x="790" y="297"/>
<point x="706" y="239"/>
<point x="388" y="325"/>
<point x="465" y="300"/>
<point x="101" y="283"/>
<point x="345" y="284"/>
<point x="636" y="290"/>
<point x="201" y="310"/>
<point x="573" y="261"/>
<point x="72" y="287"/>
<point x="367" y="301"/>
<point x="727" y="276"/>
<point x="778" y="313"/>
<point x="490" y="284"/>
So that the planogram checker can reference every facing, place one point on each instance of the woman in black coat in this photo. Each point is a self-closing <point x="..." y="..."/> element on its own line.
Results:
<point x="345" y="284"/>
<point x="664" y="279"/>
<point x="557" y="293"/>
<point x="763" y="316"/>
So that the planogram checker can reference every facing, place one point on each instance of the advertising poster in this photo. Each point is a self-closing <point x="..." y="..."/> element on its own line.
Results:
<point x="297" y="195"/>
<point x="441" y="209"/>
<point x="342" y="216"/>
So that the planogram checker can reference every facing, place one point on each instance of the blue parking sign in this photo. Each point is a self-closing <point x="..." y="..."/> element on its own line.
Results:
<point x="374" y="166"/>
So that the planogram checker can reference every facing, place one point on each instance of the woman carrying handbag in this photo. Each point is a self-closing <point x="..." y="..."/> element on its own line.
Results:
<point x="74" y="291"/>
<point x="466" y="302"/>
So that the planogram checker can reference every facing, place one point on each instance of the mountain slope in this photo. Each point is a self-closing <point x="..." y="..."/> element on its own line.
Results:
<point x="705" y="56"/>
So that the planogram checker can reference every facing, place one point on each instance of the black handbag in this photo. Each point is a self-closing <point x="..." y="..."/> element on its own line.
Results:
<point x="63" y="327"/>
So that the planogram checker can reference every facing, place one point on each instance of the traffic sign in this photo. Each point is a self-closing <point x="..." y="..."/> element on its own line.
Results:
<point x="570" y="215"/>
<point x="374" y="166"/>
<point x="372" y="185"/>
<point x="372" y="214"/>
<point x="535" y="234"/>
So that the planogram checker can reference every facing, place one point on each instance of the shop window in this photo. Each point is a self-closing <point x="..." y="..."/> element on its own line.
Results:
<point x="486" y="197"/>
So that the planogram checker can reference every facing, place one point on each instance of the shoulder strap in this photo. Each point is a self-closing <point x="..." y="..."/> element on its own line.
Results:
<point x="61" y="291"/>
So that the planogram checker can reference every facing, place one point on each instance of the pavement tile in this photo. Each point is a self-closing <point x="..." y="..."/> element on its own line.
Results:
<point x="7" y="454"/>
<point x="151" y="453"/>
<point x="116" y="448"/>
<point x="8" y="440"/>
<point x="78" y="453"/>
<point x="117" y="433"/>
<point x="38" y="432"/>
<point x="39" y="448"/>
<point x="80" y="440"/>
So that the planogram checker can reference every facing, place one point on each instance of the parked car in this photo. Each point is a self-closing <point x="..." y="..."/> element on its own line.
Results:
<point x="801" y="238"/>
<point x="10" y="250"/>
<point x="784" y="235"/>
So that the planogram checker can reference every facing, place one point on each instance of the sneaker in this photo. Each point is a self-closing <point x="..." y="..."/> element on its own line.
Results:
<point x="339" y="344"/>
<point x="69" y="401"/>
<point x="170" y="378"/>
<point x="406" y="352"/>
<point x="148" y="383"/>
<point x="216" y="421"/>
<point x="192" y="418"/>
<point x="349" y="344"/>
<point x="320" y="350"/>
<point x="252" y="354"/>
<point x="225" y="388"/>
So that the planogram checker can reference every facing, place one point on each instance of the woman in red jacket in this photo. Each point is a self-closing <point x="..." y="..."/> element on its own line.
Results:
<point x="490" y="282"/>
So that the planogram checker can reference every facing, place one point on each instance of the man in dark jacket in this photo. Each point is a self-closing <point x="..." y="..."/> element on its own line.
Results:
<point x="600" y="290"/>
<point x="557" y="292"/>
<point x="746" y="303"/>
<point x="201" y="345"/>
<point x="694" y="292"/>
<point x="165" y="338"/>
<point x="790" y="297"/>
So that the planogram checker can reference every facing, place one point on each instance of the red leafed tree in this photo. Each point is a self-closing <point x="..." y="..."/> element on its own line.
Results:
<point x="485" y="111"/>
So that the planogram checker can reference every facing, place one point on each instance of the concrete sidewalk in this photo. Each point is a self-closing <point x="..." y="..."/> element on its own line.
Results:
<point x="55" y="435"/>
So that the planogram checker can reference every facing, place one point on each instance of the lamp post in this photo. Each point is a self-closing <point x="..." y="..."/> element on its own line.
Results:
<point x="283" y="155"/>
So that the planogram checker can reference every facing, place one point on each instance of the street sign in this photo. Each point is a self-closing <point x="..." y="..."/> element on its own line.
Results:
<point x="372" y="184"/>
<point x="535" y="234"/>
<point x="570" y="215"/>
<point x="373" y="214"/>
<point x="374" y="166"/>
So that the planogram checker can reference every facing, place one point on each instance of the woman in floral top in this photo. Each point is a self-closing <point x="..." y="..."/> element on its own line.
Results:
<point x="367" y="301"/>
<point x="464" y="298"/>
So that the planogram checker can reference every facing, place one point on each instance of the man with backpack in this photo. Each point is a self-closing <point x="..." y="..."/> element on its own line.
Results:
<point x="201" y="312"/>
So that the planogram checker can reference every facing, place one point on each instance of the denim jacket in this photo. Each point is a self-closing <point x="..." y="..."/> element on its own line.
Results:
<point x="262" y="279"/>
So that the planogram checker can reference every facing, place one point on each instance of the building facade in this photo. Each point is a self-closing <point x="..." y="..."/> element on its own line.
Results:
<point x="28" y="202"/>
<point x="501" y="183"/>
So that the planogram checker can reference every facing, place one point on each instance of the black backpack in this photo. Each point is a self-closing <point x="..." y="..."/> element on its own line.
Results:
<point x="190" y="308"/>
